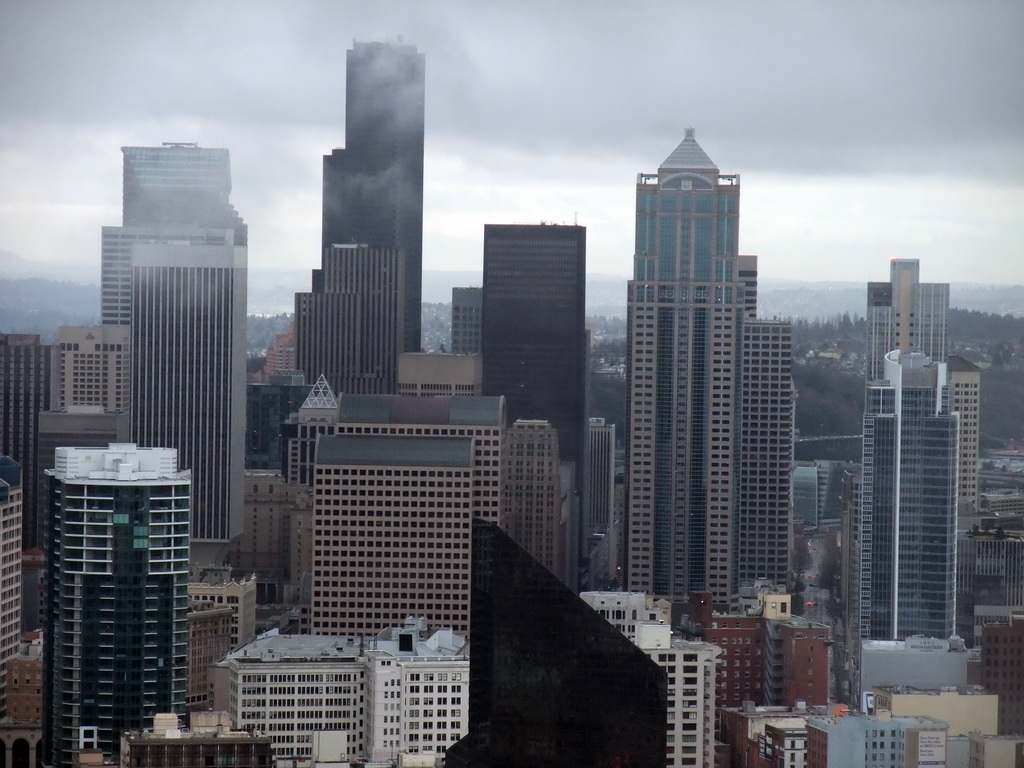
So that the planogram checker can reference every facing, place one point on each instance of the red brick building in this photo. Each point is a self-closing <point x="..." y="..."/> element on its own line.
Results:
<point x="764" y="737"/>
<point x="1002" y="670"/>
<point x="770" y="657"/>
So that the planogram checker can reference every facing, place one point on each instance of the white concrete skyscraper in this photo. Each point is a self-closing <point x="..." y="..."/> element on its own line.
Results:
<point x="188" y="374"/>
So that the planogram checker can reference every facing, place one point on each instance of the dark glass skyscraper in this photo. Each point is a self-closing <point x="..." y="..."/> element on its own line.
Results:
<point x="25" y="379"/>
<point x="552" y="683"/>
<point x="373" y="188"/>
<point x="349" y="327"/>
<point x="533" y="342"/>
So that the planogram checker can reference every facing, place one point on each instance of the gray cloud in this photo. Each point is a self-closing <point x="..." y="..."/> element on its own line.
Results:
<point x="794" y="88"/>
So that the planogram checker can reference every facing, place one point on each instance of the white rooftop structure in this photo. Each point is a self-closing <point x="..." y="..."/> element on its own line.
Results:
<point x="321" y="396"/>
<point x="120" y="462"/>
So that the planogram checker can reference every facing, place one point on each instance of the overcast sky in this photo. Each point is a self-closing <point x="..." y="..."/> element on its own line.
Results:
<point x="862" y="131"/>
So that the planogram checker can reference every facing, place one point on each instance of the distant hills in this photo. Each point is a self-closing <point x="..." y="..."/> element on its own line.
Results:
<point x="35" y="305"/>
<point x="273" y="293"/>
<point x="40" y="305"/>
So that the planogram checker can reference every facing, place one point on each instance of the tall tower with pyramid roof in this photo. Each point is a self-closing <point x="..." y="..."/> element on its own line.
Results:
<point x="688" y="300"/>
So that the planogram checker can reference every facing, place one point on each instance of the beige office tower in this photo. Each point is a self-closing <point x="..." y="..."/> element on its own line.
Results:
<point x="533" y="502"/>
<point x="92" y="393"/>
<point x="397" y="483"/>
<point x="687" y="301"/>
<point x="764" y="531"/>
<point x="268" y="546"/>
<point x="964" y="378"/>
<point x="907" y="315"/>
<point x="431" y="375"/>
<point x="94" y="367"/>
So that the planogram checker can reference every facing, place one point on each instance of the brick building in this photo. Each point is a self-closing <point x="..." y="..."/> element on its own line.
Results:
<point x="1002" y="670"/>
<point x="769" y="657"/>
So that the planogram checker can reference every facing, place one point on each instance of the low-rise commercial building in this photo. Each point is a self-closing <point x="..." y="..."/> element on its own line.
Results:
<point x="213" y="584"/>
<point x="965" y="709"/>
<point x="209" y="741"/>
<point x="626" y="610"/>
<point x="403" y="690"/>
<point x="879" y="741"/>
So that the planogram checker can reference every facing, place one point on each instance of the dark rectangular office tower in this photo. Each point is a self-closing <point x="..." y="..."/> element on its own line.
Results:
<point x="534" y="342"/>
<point x="349" y="327"/>
<point x="552" y="683"/>
<point x="373" y="188"/>
<point x="25" y="385"/>
<point x="467" y="306"/>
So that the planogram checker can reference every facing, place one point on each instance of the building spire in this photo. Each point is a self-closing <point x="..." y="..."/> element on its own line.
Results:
<point x="689" y="156"/>
<point x="321" y="396"/>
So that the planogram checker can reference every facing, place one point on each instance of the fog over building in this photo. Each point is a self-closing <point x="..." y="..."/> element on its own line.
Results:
<point x="177" y="192"/>
<point x="373" y="188"/>
<point x="180" y="183"/>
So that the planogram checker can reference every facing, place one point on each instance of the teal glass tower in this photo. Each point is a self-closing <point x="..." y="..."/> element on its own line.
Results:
<point x="689" y="296"/>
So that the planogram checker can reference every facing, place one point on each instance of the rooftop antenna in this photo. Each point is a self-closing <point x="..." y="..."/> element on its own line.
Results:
<point x="575" y="218"/>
